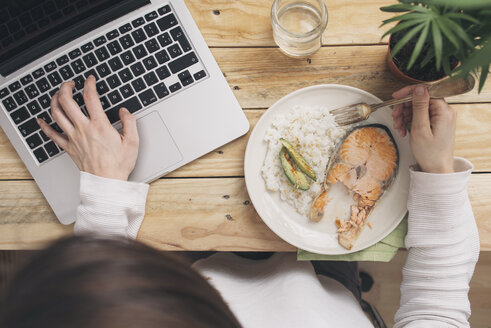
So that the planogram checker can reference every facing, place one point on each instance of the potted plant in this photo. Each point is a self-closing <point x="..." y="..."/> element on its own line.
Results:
<point x="436" y="38"/>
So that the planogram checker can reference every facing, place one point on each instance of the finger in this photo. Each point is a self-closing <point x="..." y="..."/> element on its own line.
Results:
<point x="68" y="105"/>
<point x="60" y="117"/>
<point x="442" y="116"/>
<point x="130" y="131"/>
<point x="91" y="99"/>
<point x="58" y="138"/>
<point x="421" y="116"/>
<point x="404" y="92"/>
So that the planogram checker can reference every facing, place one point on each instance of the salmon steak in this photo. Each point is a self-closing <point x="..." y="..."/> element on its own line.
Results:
<point x="365" y="162"/>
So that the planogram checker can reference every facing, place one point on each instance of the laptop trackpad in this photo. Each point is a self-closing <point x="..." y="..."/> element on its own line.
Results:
<point x="157" y="151"/>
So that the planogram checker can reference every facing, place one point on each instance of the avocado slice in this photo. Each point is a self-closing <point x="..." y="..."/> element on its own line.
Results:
<point x="296" y="178"/>
<point x="298" y="159"/>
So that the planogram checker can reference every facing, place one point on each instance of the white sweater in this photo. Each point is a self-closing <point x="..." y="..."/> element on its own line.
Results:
<point x="442" y="242"/>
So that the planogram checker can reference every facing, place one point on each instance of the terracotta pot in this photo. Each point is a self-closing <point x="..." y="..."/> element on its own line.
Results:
<point x="398" y="74"/>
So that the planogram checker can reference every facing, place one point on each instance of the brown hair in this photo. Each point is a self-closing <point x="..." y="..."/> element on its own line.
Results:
<point x="92" y="282"/>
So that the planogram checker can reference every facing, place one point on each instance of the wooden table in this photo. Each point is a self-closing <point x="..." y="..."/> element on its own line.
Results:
<point x="205" y="205"/>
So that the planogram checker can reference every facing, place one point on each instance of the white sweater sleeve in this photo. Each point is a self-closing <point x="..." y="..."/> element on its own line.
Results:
<point x="110" y="207"/>
<point x="443" y="248"/>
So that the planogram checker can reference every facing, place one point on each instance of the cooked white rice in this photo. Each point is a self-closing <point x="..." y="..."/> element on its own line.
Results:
<point x="313" y="132"/>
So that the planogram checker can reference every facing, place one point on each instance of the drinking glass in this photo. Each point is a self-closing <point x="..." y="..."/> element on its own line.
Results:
<point x="298" y="25"/>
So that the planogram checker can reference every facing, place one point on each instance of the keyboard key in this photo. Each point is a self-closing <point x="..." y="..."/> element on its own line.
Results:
<point x="126" y="91"/>
<point x="20" y="97"/>
<point x="33" y="107"/>
<point x="79" y="99"/>
<point x="149" y="63"/>
<point x="105" y="103"/>
<point x="199" y="75"/>
<point x="115" y="64"/>
<point x="51" y="149"/>
<point x="164" y="10"/>
<point x="150" y="78"/>
<point x="32" y="91"/>
<point x="113" y="114"/>
<point x="162" y="57"/>
<point x="125" y="28"/>
<point x="161" y="90"/>
<point x="100" y="40"/>
<point x="74" y="53"/>
<point x="147" y="97"/>
<point x="62" y="60"/>
<point x="102" y="54"/>
<point x="26" y="80"/>
<point x="127" y="57"/>
<point x="137" y="22"/>
<point x="175" y="87"/>
<point x="183" y="62"/>
<point x="167" y="22"/>
<point x="29" y="127"/>
<point x="102" y="87"/>
<point x="152" y="45"/>
<point x="78" y="66"/>
<point x="113" y="81"/>
<point x="103" y="70"/>
<point x="139" y="35"/>
<point x="45" y="101"/>
<point x="34" y="141"/>
<point x="184" y="75"/>
<point x="55" y="79"/>
<point x="44" y="136"/>
<point x="38" y="73"/>
<point x="139" y="52"/>
<point x="187" y="81"/>
<point x="125" y="75"/>
<point x="20" y="115"/>
<point x="90" y="60"/>
<point x="87" y="47"/>
<point x="174" y="50"/>
<point x="177" y="33"/>
<point x="50" y="66"/>
<point x="164" y="39"/>
<point x="43" y="85"/>
<point x="53" y="91"/>
<point x="113" y="34"/>
<point x="14" y="86"/>
<point x="91" y="72"/>
<point x="131" y="104"/>
<point x="66" y="72"/>
<point x="151" y="29"/>
<point x="114" y="47"/>
<point x="137" y="69"/>
<point x="163" y="72"/>
<point x="185" y="46"/>
<point x="138" y="84"/>
<point x="9" y="104"/>
<point x="4" y="93"/>
<point x="40" y="155"/>
<point x="79" y="82"/>
<point x="46" y="117"/>
<point x="126" y="41"/>
<point x="114" y="97"/>
<point x="151" y="16"/>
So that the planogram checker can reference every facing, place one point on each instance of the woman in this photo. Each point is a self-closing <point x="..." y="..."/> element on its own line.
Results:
<point x="109" y="283"/>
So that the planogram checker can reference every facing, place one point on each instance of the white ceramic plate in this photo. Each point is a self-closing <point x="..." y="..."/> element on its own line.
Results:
<point x="282" y="218"/>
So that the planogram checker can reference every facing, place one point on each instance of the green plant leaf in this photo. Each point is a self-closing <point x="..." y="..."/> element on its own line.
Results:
<point x="446" y="66"/>
<point x="461" y="4"/>
<point x="403" y="26"/>
<point x="408" y="16"/>
<point x="402" y="42"/>
<point x="458" y="30"/>
<point x="437" y="44"/>
<point x="403" y="7"/>
<point x="447" y="32"/>
<point x="484" y="75"/>
<point x="419" y="45"/>
<point x="463" y="16"/>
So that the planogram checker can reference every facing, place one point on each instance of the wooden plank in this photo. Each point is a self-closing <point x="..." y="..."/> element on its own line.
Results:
<point x="261" y="76"/>
<point x="473" y="142"/>
<point x="183" y="214"/>
<point x="229" y="23"/>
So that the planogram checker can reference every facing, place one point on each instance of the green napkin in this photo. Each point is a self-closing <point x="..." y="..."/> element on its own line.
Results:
<point x="383" y="251"/>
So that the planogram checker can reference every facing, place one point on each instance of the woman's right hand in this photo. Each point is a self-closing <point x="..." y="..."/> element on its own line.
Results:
<point x="432" y="135"/>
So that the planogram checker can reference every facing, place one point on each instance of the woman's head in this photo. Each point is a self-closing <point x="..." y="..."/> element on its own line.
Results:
<point x="91" y="282"/>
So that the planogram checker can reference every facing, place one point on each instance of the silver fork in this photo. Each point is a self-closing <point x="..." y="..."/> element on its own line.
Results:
<point x="359" y="112"/>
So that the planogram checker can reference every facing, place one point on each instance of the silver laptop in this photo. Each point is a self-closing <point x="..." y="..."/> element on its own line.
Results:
<point x="147" y="55"/>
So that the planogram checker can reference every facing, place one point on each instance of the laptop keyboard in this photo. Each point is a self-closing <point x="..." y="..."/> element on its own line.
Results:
<point x="136" y="65"/>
